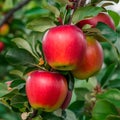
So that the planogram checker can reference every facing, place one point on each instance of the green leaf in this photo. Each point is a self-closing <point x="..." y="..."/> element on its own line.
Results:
<point x="18" y="101"/>
<point x="77" y="107"/>
<point x="113" y="117"/>
<point x="51" y="8"/>
<point x="8" y="4"/>
<point x="64" y="2"/>
<point x="83" y="12"/>
<point x="111" y="95"/>
<point x="114" y="83"/>
<point x="3" y="89"/>
<point x="115" y="16"/>
<point x="102" y="109"/>
<point x="80" y="93"/>
<point x="21" y="43"/>
<point x="107" y="32"/>
<point x="117" y="43"/>
<point x="70" y="115"/>
<point x="7" y="114"/>
<point x="108" y="72"/>
<point x="35" y="12"/>
<point x="17" y="56"/>
<point x="40" y="24"/>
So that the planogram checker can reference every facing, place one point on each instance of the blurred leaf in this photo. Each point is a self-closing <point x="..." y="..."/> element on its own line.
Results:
<point x="35" y="12"/>
<point x="108" y="72"/>
<point x="117" y="43"/>
<point x="8" y="4"/>
<point x="64" y="2"/>
<point x="78" y="108"/>
<point x="41" y="24"/>
<point x="17" y="82"/>
<point x="83" y="12"/>
<point x="111" y="95"/>
<point x="51" y="8"/>
<point x="114" y="83"/>
<point x="80" y="93"/>
<point x="102" y="109"/>
<point x="113" y="117"/>
<point x="70" y="115"/>
<point x="17" y="56"/>
<point x="115" y="16"/>
<point x="7" y="114"/>
<point x="18" y="101"/>
<point x="3" y="89"/>
<point x="21" y="43"/>
<point x="107" y="32"/>
<point x="18" y="73"/>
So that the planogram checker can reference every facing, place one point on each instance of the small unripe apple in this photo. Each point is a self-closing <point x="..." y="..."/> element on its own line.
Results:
<point x="92" y="21"/>
<point x="92" y="61"/>
<point x="4" y="29"/>
<point x="67" y="100"/>
<point x="63" y="47"/>
<point x="2" y="46"/>
<point x="46" y="90"/>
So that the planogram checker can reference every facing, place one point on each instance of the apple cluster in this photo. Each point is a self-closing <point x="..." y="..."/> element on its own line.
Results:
<point x="65" y="48"/>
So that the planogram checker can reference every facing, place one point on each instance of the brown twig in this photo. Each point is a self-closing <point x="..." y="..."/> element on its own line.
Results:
<point x="13" y="10"/>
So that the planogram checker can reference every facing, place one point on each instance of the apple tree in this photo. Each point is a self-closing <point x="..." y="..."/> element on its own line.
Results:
<point x="59" y="60"/>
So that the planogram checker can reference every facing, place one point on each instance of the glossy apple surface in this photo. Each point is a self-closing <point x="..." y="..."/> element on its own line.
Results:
<point x="46" y="90"/>
<point x="101" y="17"/>
<point x="4" y="29"/>
<point x="92" y="61"/>
<point x="2" y="46"/>
<point x="64" y="46"/>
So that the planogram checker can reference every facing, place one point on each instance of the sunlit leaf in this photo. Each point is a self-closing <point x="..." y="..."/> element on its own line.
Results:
<point x="102" y="109"/>
<point x="41" y="24"/>
<point x="84" y="12"/>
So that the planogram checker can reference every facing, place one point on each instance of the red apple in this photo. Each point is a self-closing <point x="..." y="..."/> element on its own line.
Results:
<point x="4" y="29"/>
<point x="92" y="61"/>
<point x="67" y="100"/>
<point x="63" y="45"/>
<point x="101" y="17"/>
<point x="46" y="90"/>
<point x="2" y="46"/>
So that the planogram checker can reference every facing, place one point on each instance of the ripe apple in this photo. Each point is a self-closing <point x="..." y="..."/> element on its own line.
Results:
<point x="92" y="61"/>
<point x="63" y="47"/>
<point x="4" y="29"/>
<point x="67" y="100"/>
<point x="2" y="46"/>
<point x="46" y="90"/>
<point x="101" y="17"/>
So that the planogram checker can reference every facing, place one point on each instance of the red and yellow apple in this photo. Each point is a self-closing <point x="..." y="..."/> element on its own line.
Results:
<point x="46" y="90"/>
<point x="92" y="21"/>
<point x="64" y="46"/>
<point x="4" y="29"/>
<point x="2" y="46"/>
<point x="92" y="61"/>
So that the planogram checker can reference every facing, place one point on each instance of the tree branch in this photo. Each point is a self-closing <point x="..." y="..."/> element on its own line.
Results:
<point x="13" y="10"/>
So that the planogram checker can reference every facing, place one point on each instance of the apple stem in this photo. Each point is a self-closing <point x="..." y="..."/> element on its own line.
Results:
<point x="60" y="20"/>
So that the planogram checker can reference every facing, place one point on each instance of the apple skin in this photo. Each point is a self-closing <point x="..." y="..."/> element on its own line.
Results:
<point x="4" y="29"/>
<point x="67" y="100"/>
<point x="63" y="45"/>
<point x="2" y="46"/>
<point x="101" y="17"/>
<point x="46" y="90"/>
<point x="92" y="61"/>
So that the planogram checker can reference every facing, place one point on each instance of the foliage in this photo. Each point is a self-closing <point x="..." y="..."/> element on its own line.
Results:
<point x="97" y="98"/>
